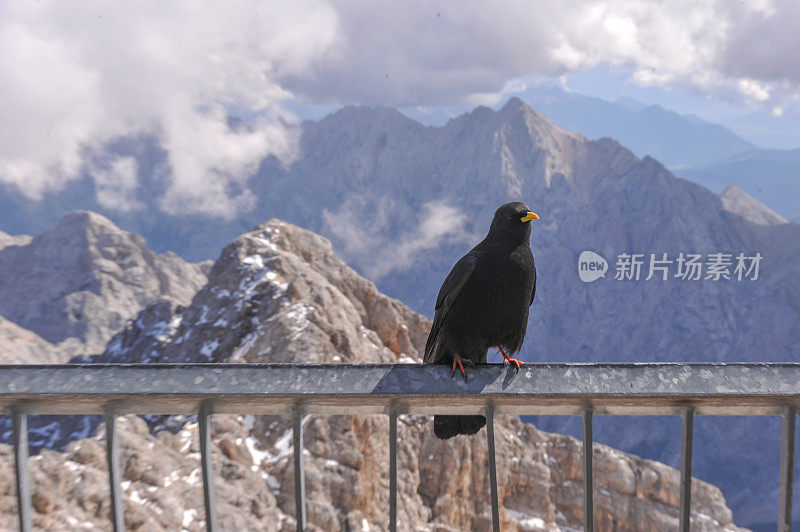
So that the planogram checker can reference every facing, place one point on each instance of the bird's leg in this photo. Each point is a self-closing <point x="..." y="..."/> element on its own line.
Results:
<point x="457" y="360"/>
<point x="509" y="359"/>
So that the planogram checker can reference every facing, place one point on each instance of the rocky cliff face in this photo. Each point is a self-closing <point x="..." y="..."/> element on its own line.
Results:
<point x="77" y="284"/>
<point x="21" y="346"/>
<point x="278" y="294"/>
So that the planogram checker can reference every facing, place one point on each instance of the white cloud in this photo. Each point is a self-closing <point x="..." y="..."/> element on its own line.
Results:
<point x="754" y="89"/>
<point x="116" y="185"/>
<point x="79" y="75"/>
<point x="418" y="53"/>
<point x="364" y="240"/>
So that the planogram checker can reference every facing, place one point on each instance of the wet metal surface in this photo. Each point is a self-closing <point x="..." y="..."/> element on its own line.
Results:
<point x="588" y="471"/>
<point x="112" y="457"/>
<point x="492" y="469"/>
<point x="209" y="497"/>
<point x="21" y="475"/>
<point x="392" y="470"/>
<point x="643" y="389"/>
<point x="787" y="471"/>
<point x="299" y="469"/>
<point x="687" y="443"/>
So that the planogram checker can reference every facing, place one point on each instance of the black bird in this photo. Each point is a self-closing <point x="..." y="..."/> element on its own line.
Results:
<point x="483" y="303"/>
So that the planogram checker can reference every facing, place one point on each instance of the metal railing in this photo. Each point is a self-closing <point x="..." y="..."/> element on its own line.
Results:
<point x="392" y="389"/>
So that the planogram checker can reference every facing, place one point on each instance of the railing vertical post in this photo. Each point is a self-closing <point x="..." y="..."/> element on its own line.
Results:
<point x="299" y="469"/>
<point x="393" y="469"/>
<point x="588" y="471"/>
<point x="209" y="499"/>
<point x="687" y="439"/>
<point x="112" y="458"/>
<point x="787" y="471"/>
<point x="20" y="429"/>
<point x="492" y="468"/>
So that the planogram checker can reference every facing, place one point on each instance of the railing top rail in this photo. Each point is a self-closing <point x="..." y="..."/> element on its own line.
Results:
<point x="557" y="388"/>
<point x="174" y="365"/>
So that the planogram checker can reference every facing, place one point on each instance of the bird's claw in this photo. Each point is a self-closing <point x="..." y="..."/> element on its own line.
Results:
<point x="458" y="360"/>
<point x="517" y="363"/>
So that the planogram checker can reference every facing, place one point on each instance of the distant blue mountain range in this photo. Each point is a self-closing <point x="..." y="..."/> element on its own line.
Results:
<point x="708" y="154"/>
<point x="677" y="140"/>
<point x="770" y="176"/>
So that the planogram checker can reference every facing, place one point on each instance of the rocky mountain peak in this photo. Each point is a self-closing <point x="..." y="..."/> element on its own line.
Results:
<point x="86" y="233"/>
<point x="524" y="138"/>
<point x="83" y="279"/>
<point x="740" y="203"/>
<point x="81" y="221"/>
<point x="271" y="289"/>
<point x="358" y="122"/>
<point x="515" y="104"/>
<point x="517" y="108"/>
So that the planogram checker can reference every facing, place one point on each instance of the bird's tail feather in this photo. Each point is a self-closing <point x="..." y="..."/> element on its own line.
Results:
<point x="445" y="427"/>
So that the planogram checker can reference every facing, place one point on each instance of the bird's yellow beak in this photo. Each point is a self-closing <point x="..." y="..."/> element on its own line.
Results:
<point x="530" y="216"/>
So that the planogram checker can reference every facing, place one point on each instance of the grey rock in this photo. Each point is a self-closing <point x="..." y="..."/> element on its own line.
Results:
<point x="21" y="346"/>
<point x="78" y="283"/>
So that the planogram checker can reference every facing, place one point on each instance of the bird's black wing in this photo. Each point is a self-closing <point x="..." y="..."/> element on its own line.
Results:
<point x="451" y="287"/>
<point x="533" y="291"/>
